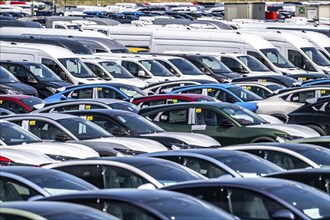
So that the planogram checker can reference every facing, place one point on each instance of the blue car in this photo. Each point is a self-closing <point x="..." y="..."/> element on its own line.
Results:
<point x="223" y="92"/>
<point x="96" y="91"/>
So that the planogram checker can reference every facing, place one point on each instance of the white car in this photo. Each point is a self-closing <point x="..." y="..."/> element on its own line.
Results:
<point x="13" y="136"/>
<point x="282" y="104"/>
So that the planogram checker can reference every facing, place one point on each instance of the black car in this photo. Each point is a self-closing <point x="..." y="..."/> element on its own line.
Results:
<point x="37" y="75"/>
<point x="211" y="66"/>
<point x="282" y="80"/>
<point x="319" y="178"/>
<point x="125" y="123"/>
<point x="10" y="85"/>
<point x="315" y="115"/>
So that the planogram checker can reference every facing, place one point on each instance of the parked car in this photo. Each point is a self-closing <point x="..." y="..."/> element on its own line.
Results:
<point x="215" y="163"/>
<point x="288" y="155"/>
<point x="262" y="89"/>
<point x="128" y="172"/>
<point x="19" y="103"/>
<point x="260" y="198"/>
<point x="37" y="75"/>
<point x="309" y="77"/>
<point x="16" y="157"/>
<point x="145" y="204"/>
<point x="22" y="183"/>
<point x="323" y="141"/>
<point x="50" y="211"/>
<point x="10" y="85"/>
<point x="128" y="124"/>
<point x="318" y="177"/>
<point x="95" y="91"/>
<point x="223" y="92"/>
<point x="316" y="82"/>
<point x="225" y="122"/>
<point x="285" y="102"/>
<point x="13" y="136"/>
<point x="314" y="114"/>
<point x="282" y="80"/>
<point x="168" y="86"/>
<point x="86" y="104"/>
<point x="73" y="129"/>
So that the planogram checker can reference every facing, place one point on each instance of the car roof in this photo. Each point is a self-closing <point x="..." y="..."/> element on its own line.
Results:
<point x="221" y="85"/>
<point x="18" y="97"/>
<point x="86" y="101"/>
<point x="52" y="116"/>
<point x="136" y="161"/>
<point x="187" y="95"/>
<point x="111" y="84"/>
<point x="304" y="171"/>
<point x="19" y="62"/>
<point x="287" y="145"/>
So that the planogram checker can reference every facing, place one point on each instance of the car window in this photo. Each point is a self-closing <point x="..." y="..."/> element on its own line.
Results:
<point x="203" y="167"/>
<point x="259" y="91"/>
<point x="233" y="64"/>
<point x="109" y="93"/>
<point x="152" y="103"/>
<point x="207" y="117"/>
<point x="18" y="71"/>
<point x="73" y="107"/>
<point x="97" y="70"/>
<point x="81" y="94"/>
<point x="104" y="122"/>
<point x="12" y="106"/>
<point x="301" y="97"/>
<point x="51" y="64"/>
<point x="193" y="91"/>
<point x="324" y="107"/>
<point x="283" y="160"/>
<point x="12" y="190"/>
<point x="132" y="67"/>
<point x="177" y="116"/>
<point x="43" y="129"/>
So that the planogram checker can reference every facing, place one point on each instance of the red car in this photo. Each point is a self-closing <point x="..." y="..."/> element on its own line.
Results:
<point x="161" y="99"/>
<point x="19" y="103"/>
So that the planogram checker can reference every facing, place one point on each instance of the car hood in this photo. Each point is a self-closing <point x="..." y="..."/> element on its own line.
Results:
<point x="56" y="148"/>
<point x="188" y="138"/>
<point x="29" y="157"/>
<point x="26" y="89"/>
<point x="133" y="81"/>
<point x="138" y="144"/>
<point x="57" y="84"/>
<point x="293" y="70"/>
<point x="293" y="130"/>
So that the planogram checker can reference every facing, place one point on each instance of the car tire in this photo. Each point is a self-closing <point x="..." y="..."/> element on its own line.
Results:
<point x="317" y="129"/>
<point x="262" y="139"/>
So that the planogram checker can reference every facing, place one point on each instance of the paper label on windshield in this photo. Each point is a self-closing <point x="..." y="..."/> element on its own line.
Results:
<point x="198" y="127"/>
<point x="1" y="102"/>
<point x="313" y="213"/>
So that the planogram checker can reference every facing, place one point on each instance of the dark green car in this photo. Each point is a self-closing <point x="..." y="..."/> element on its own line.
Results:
<point x="227" y="123"/>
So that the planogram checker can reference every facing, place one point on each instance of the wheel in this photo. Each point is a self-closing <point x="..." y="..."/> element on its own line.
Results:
<point x="318" y="129"/>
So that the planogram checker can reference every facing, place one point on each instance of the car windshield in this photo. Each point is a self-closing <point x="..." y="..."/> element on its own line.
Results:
<point x="155" y="68"/>
<point x="317" y="154"/>
<point x="316" y="56"/>
<point x="253" y="63"/>
<point x="244" y="94"/>
<point x="30" y="102"/>
<point x="57" y="182"/>
<point x="12" y="134"/>
<point x="275" y="87"/>
<point x="132" y="91"/>
<point x="84" y="129"/>
<point x="312" y="202"/>
<point x="243" y="116"/>
<point x="43" y="73"/>
<point x="186" y="208"/>
<point x="167" y="173"/>
<point x="215" y="65"/>
<point x="138" y="124"/>
<point x="116" y="70"/>
<point x="247" y="165"/>
<point x="6" y="76"/>
<point x="126" y="106"/>
<point x="185" y="66"/>
<point x="277" y="58"/>
<point x="77" y="68"/>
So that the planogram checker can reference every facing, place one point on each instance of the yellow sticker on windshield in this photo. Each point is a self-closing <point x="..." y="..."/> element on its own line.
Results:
<point x="87" y="107"/>
<point x="174" y="100"/>
<point x="198" y="110"/>
<point x="303" y="78"/>
<point x="248" y="87"/>
<point x="264" y="80"/>
<point x="89" y="118"/>
<point x="209" y="90"/>
<point x="1" y="102"/>
<point x="99" y="89"/>
<point x="32" y="123"/>
<point x="323" y="92"/>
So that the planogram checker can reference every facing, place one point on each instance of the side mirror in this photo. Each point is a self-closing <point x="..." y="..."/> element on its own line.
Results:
<point x="226" y="123"/>
<point x="141" y="73"/>
<point x="62" y="137"/>
<point x="283" y="215"/>
<point x="120" y="132"/>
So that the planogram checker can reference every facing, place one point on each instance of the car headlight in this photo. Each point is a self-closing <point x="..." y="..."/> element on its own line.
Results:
<point x="13" y="92"/>
<point x="60" y="157"/>
<point x="128" y="152"/>
<point x="52" y="89"/>
<point x="285" y="137"/>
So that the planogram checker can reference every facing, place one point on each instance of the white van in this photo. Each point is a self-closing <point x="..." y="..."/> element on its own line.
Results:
<point x="110" y="70"/>
<point x="298" y="50"/>
<point x="62" y="61"/>
<point x="222" y="41"/>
